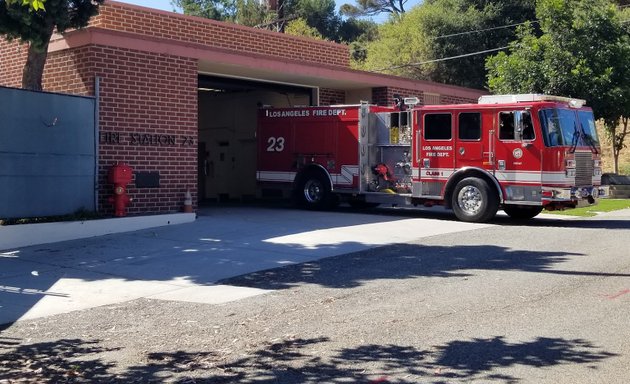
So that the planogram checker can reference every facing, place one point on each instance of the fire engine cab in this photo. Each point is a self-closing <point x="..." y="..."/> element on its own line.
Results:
<point x="520" y="153"/>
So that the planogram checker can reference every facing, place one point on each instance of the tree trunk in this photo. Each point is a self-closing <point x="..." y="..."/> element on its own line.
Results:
<point x="35" y="62"/>
<point x="616" y="161"/>
<point x="34" y="68"/>
<point x="618" y="138"/>
<point x="622" y="140"/>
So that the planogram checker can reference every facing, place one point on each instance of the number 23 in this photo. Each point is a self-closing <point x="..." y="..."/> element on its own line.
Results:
<point x="275" y="144"/>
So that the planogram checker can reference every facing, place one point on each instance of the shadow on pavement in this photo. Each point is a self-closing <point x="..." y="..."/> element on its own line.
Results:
<point x="404" y="261"/>
<point x="295" y="361"/>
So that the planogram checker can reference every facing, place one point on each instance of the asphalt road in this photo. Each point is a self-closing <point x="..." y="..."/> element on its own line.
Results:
<point x="547" y="301"/>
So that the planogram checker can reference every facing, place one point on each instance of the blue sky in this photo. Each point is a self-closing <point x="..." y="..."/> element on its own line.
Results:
<point x="166" y="4"/>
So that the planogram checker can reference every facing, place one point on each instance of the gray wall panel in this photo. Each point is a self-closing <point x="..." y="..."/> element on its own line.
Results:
<point x="47" y="153"/>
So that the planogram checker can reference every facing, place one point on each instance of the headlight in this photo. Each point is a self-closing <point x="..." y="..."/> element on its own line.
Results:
<point x="570" y="172"/>
<point x="570" y="163"/>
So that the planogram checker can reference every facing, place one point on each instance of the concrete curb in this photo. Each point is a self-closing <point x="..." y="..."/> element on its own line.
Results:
<point x="24" y="235"/>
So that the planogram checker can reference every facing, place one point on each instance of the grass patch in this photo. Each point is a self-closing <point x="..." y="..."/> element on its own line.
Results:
<point x="79" y="215"/>
<point x="603" y="205"/>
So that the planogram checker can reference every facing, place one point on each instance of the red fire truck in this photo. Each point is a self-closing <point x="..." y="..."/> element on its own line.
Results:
<point x="520" y="153"/>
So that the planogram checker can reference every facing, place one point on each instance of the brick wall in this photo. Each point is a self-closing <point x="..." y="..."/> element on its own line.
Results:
<point x="447" y="99"/>
<point x="150" y="101"/>
<point x="12" y="58"/>
<point x="171" y="26"/>
<point x="329" y="96"/>
<point x="385" y="95"/>
<point x="65" y="72"/>
<point x="70" y="71"/>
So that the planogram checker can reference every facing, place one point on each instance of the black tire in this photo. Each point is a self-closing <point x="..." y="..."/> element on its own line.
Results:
<point x="473" y="200"/>
<point x="313" y="192"/>
<point x="522" y="212"/>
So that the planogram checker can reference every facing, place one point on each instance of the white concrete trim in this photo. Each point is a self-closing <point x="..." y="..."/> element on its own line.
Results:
<point x="24" y="235"/>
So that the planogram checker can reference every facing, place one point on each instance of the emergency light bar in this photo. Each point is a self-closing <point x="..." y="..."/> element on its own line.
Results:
<point x="528" y="97"/>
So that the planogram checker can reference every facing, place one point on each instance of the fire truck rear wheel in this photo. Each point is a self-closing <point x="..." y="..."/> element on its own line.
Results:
<point x="522" y="212"/>
<point x="313" y="192"/>
<point x="473" y="200"/>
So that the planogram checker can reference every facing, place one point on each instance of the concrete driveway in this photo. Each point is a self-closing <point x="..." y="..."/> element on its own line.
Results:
<point x="184" y="262"/>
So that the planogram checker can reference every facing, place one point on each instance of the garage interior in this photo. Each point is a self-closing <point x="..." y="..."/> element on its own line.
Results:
<point x="227" y="153"/>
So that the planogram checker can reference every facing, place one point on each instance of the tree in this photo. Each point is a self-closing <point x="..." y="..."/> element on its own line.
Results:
<point x="373" y="8"/>
<point x="358" y="33"/>
<point x="210" y="9"/>
<point x="252" y="13"/>
<point x="300" y="27"/>
<point x="583" y="52"/>
<point x="318" y="14"/>
<point x="36" y="28"/>
<point x="245" y="12"/>
<point x="420" y="44"/>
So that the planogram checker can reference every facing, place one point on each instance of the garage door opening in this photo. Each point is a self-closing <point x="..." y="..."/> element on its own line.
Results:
<point x="228" y="110"/>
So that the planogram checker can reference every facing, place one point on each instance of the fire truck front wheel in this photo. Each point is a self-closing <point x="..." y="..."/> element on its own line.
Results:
<point x="473" y="200"/>
<point x="313" y="191"/>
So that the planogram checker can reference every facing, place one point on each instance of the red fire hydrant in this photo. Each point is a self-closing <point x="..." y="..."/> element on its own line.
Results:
<point x="120" y="175"/>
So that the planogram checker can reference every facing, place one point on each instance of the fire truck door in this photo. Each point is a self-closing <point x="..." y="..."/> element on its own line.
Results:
<point x="436" y="158"/>
<point x="473" y="148"/>
<point x="518" y="162"/>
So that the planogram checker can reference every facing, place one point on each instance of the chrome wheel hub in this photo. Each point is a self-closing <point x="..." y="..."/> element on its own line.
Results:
<point x="313" y="191"/>
<point x="470" y="199"/>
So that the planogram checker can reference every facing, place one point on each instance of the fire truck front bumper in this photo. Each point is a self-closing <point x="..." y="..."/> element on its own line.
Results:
<point x="575" y="196"/>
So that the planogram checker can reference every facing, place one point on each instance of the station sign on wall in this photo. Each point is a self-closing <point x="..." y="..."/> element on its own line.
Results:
<point x="146" y="139"/>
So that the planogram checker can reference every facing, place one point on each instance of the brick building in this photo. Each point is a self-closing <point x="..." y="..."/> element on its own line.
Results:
<point x="178" y="95"/>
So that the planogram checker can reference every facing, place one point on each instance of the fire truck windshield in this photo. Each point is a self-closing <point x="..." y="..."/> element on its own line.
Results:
<point x="568" y="127"/>
<point x="589" y="133"/>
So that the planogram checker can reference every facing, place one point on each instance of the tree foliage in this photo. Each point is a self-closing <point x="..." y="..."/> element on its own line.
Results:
<point x="373" y="8"/>
<point x="252" y="13"/>
<point x="584" y="52"/>
<point x="358" y="33"/>
<point x="300" y="27"/>
<point x="211" y="9"/>
<point x="35" y="5"/>
<point x="245" y="12"/>
<point x="36" y="27"/>
<point x="311" y="18"/>
<point x="417" y="44"/>
<point x="318" y="14"/>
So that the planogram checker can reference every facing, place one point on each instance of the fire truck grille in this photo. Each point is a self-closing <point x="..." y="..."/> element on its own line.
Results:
<point x="583" y="169"/>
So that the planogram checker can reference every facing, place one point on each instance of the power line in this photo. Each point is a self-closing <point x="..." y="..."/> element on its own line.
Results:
<point x="485" y="30"/>
<point x="442" y="59"/>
